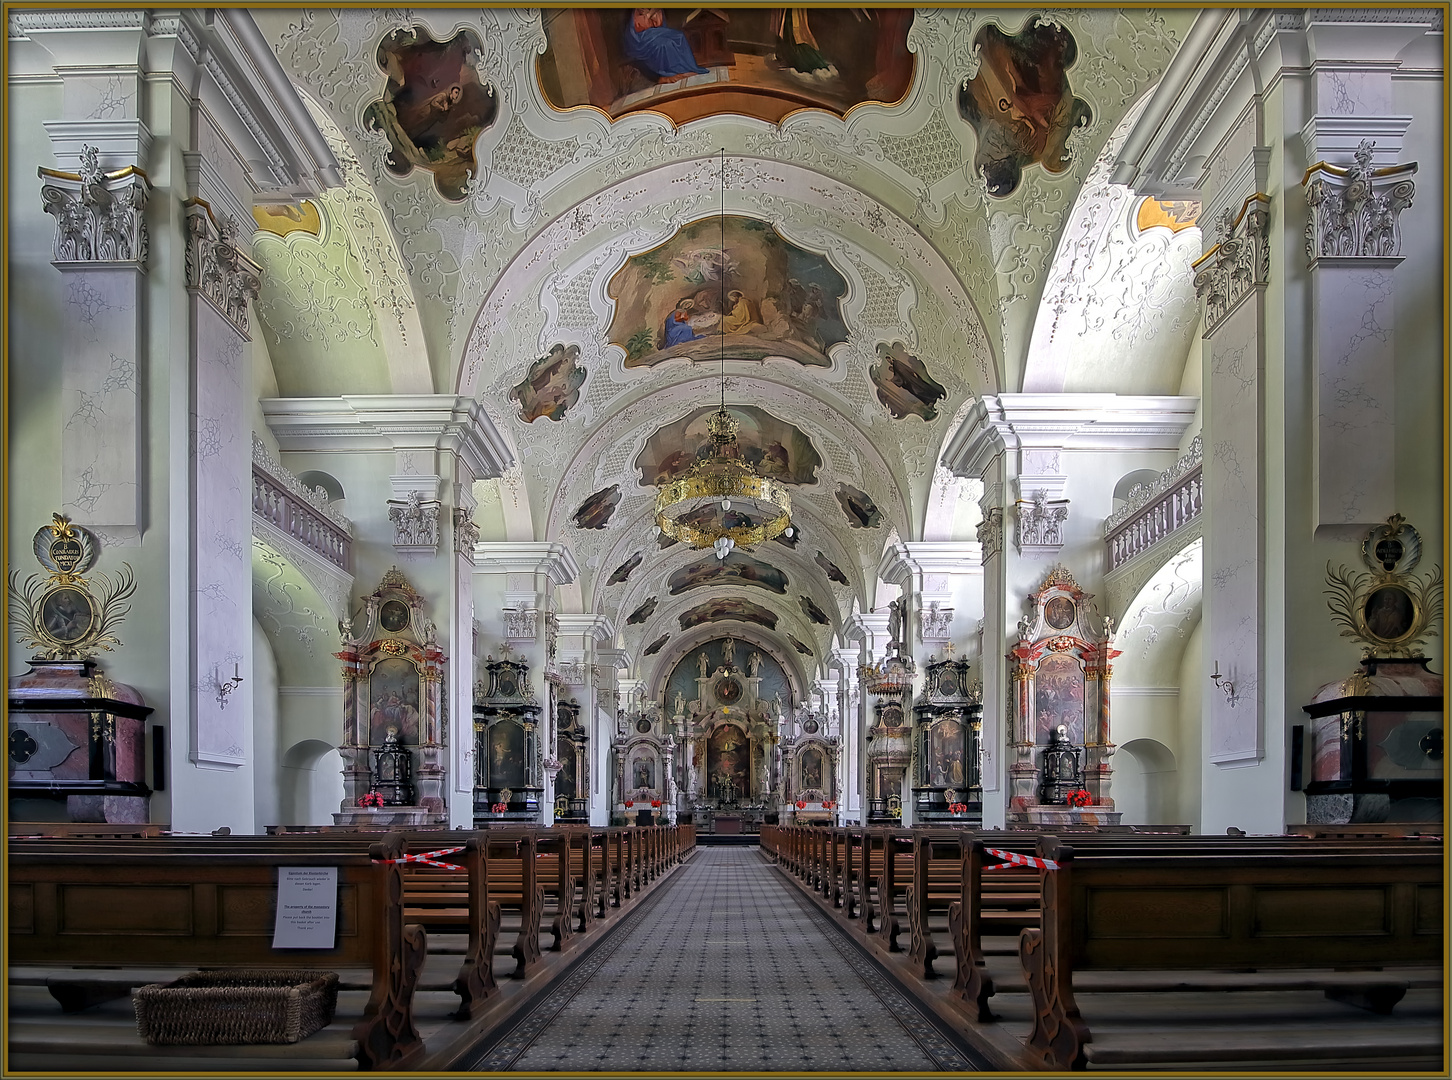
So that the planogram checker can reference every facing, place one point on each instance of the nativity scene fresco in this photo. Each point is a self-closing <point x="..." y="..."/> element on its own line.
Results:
<point x="903" y="383"/>
<point x="774" y="448"/>
<point x="735" y="569"/>
<point x="761" y="62"/>
<point x="1020" y="105"/>
<point x="551" y="385"/>
<point x="433" y="107"/>
<point x="766" y="297"/>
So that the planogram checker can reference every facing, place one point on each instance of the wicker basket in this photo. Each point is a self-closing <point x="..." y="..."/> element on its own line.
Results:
<point x="233" y="1007"/>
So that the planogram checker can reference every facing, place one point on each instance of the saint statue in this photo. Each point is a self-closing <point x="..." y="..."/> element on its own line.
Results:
<point x="728" y="652"/>
<point x="753" y="665"/>
<point x="703" y="663"/>
<point x="894" y="625"/>
<point x="680" y="703"/>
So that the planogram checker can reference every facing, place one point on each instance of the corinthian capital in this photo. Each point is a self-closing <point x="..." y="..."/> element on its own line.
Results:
<point x="1356" y="212"/>
<point x="217" y="268"/>
<point x="100" y="217"/>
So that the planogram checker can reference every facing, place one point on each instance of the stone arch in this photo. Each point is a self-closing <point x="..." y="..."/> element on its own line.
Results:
<point x="1146" y="783"/>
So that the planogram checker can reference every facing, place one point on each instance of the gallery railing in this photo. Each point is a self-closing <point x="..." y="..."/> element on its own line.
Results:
<point x="285" y="502"/>
<point x="1156" y="510"/>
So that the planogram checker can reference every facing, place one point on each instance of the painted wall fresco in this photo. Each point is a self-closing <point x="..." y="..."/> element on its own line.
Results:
<point x="813" y="612"/>
<point x="775" y="300"/>
<point x="861" y="511"/>
<point x="656" y="645"/>
<point x="640" y="614"/>
<point x="551" y="386"/>
<point x="772" y="447"/>
<point x="804" y="649"/>
<point x="393" y="701"/>
<point x="624" y="570"/>
<point x="595" y="512"/>
<point x="833" y="572"/>
<point x="433" y="107"/>
<point x="761" y="62"/>
<point x="736" y="568"/>
<point x="1020" y="105"/>
<point x="280" y="219"/>
<point x="726" y="609"/>
<point x="1174" y="214"/>
<point x="903" y="383"/>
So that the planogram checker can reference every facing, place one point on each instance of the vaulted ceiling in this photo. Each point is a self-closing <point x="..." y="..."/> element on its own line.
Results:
<point x="529" y="216"/>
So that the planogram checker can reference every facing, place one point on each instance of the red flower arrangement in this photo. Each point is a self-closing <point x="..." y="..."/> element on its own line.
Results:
<point x="499" y="807"/>
<point x="958" y="808"/>
<point x="1079" y="797"/>
<point x="826" y="804"/>
<point x="655" y="804"/>
<point x="801" y="805"/>
<point x="371" y="798"/>
<point x="629" y="803"/>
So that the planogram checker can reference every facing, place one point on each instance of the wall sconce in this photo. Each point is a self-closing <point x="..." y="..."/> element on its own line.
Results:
<point x="225" y="688"/>
<point x="1224" y="683"/>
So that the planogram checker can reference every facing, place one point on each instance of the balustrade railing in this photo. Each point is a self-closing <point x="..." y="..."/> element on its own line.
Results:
<point x="1155" y="511"/>
<point x="284" y="505"/>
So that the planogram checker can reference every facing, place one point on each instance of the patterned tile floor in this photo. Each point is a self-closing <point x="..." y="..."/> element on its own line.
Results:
<point x="725" y="969"/>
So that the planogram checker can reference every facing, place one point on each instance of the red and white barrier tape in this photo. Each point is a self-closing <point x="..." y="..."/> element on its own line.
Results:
<point x="1013" y="858"/>
<point x="428" y="858"/>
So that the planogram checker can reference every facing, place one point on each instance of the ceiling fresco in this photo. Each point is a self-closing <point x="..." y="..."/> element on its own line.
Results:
<point x="735" y="569"/>
<point x="434" y="105"/>
<point x="756" y="296"/>
<point x="532" y="248"/>
<point x="727" y="609"/>
<point x="773" y="447"/>
<point x="760" y="62"/>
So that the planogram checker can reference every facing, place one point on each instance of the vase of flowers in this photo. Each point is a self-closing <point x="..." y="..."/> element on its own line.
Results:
<point x="1079" y="798"/>
<point x="371" y="800"/>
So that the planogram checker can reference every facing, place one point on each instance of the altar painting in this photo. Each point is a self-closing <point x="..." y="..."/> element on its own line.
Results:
<point x="728" y="758"/>
<point x="813" y="770"/>
<point x="642" y="772"/>
<point x="506" y="755"/>
<point x="1059" y="698"/>
<point x="945" y="754"/>
<point x="393" y="699"/>
<point x="565" y="780"/>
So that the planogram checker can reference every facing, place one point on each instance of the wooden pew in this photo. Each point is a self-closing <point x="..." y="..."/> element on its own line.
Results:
<point x="1289" y="918"/>
<point x="89" y="906"/>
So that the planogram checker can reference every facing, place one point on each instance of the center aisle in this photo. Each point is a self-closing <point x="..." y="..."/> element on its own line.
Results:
<point x="725" y="970"/>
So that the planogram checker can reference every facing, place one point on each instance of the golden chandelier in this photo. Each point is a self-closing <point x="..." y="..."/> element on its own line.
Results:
<point x="766" y="508"/>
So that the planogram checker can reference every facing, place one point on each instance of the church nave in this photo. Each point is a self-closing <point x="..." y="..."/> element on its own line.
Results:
<point x="724" y="969"/>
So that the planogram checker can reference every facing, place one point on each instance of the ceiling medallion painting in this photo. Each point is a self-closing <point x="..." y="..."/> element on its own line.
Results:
<point x="775" y="300"/>
<point x="805" y="650"/>
<point x="656" y="645"/>
<point x="761" y="62"/>
<point x="624" y="570"/>
<point x="735" y="568"/>
<point x="903" y="383"/>
<point x="774" y="448"/>
<point x="728" y="609"/>
<point x="861" y="511"/>
<point x="813" y="612"/>
<point x="434" y="105"/>
<point x="640" y="614"/>
<point x="1020" y="105"/>
<point x="594" y="512"/>
<point x="832" y="570"/>
<point x="551" y="385"/>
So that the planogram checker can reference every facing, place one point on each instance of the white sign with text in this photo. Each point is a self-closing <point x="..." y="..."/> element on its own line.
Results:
<point x="307" y="907"/>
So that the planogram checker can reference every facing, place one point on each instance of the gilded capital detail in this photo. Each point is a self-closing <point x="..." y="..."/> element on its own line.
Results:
<point x="217" y="268"/>
<point x="1238" y="263"/>
<point x="1356" y="212"/>
<point x="100" y="217"/>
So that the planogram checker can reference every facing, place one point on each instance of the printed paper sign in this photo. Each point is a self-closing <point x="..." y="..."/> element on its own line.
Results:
<point x="307" y="907"/>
